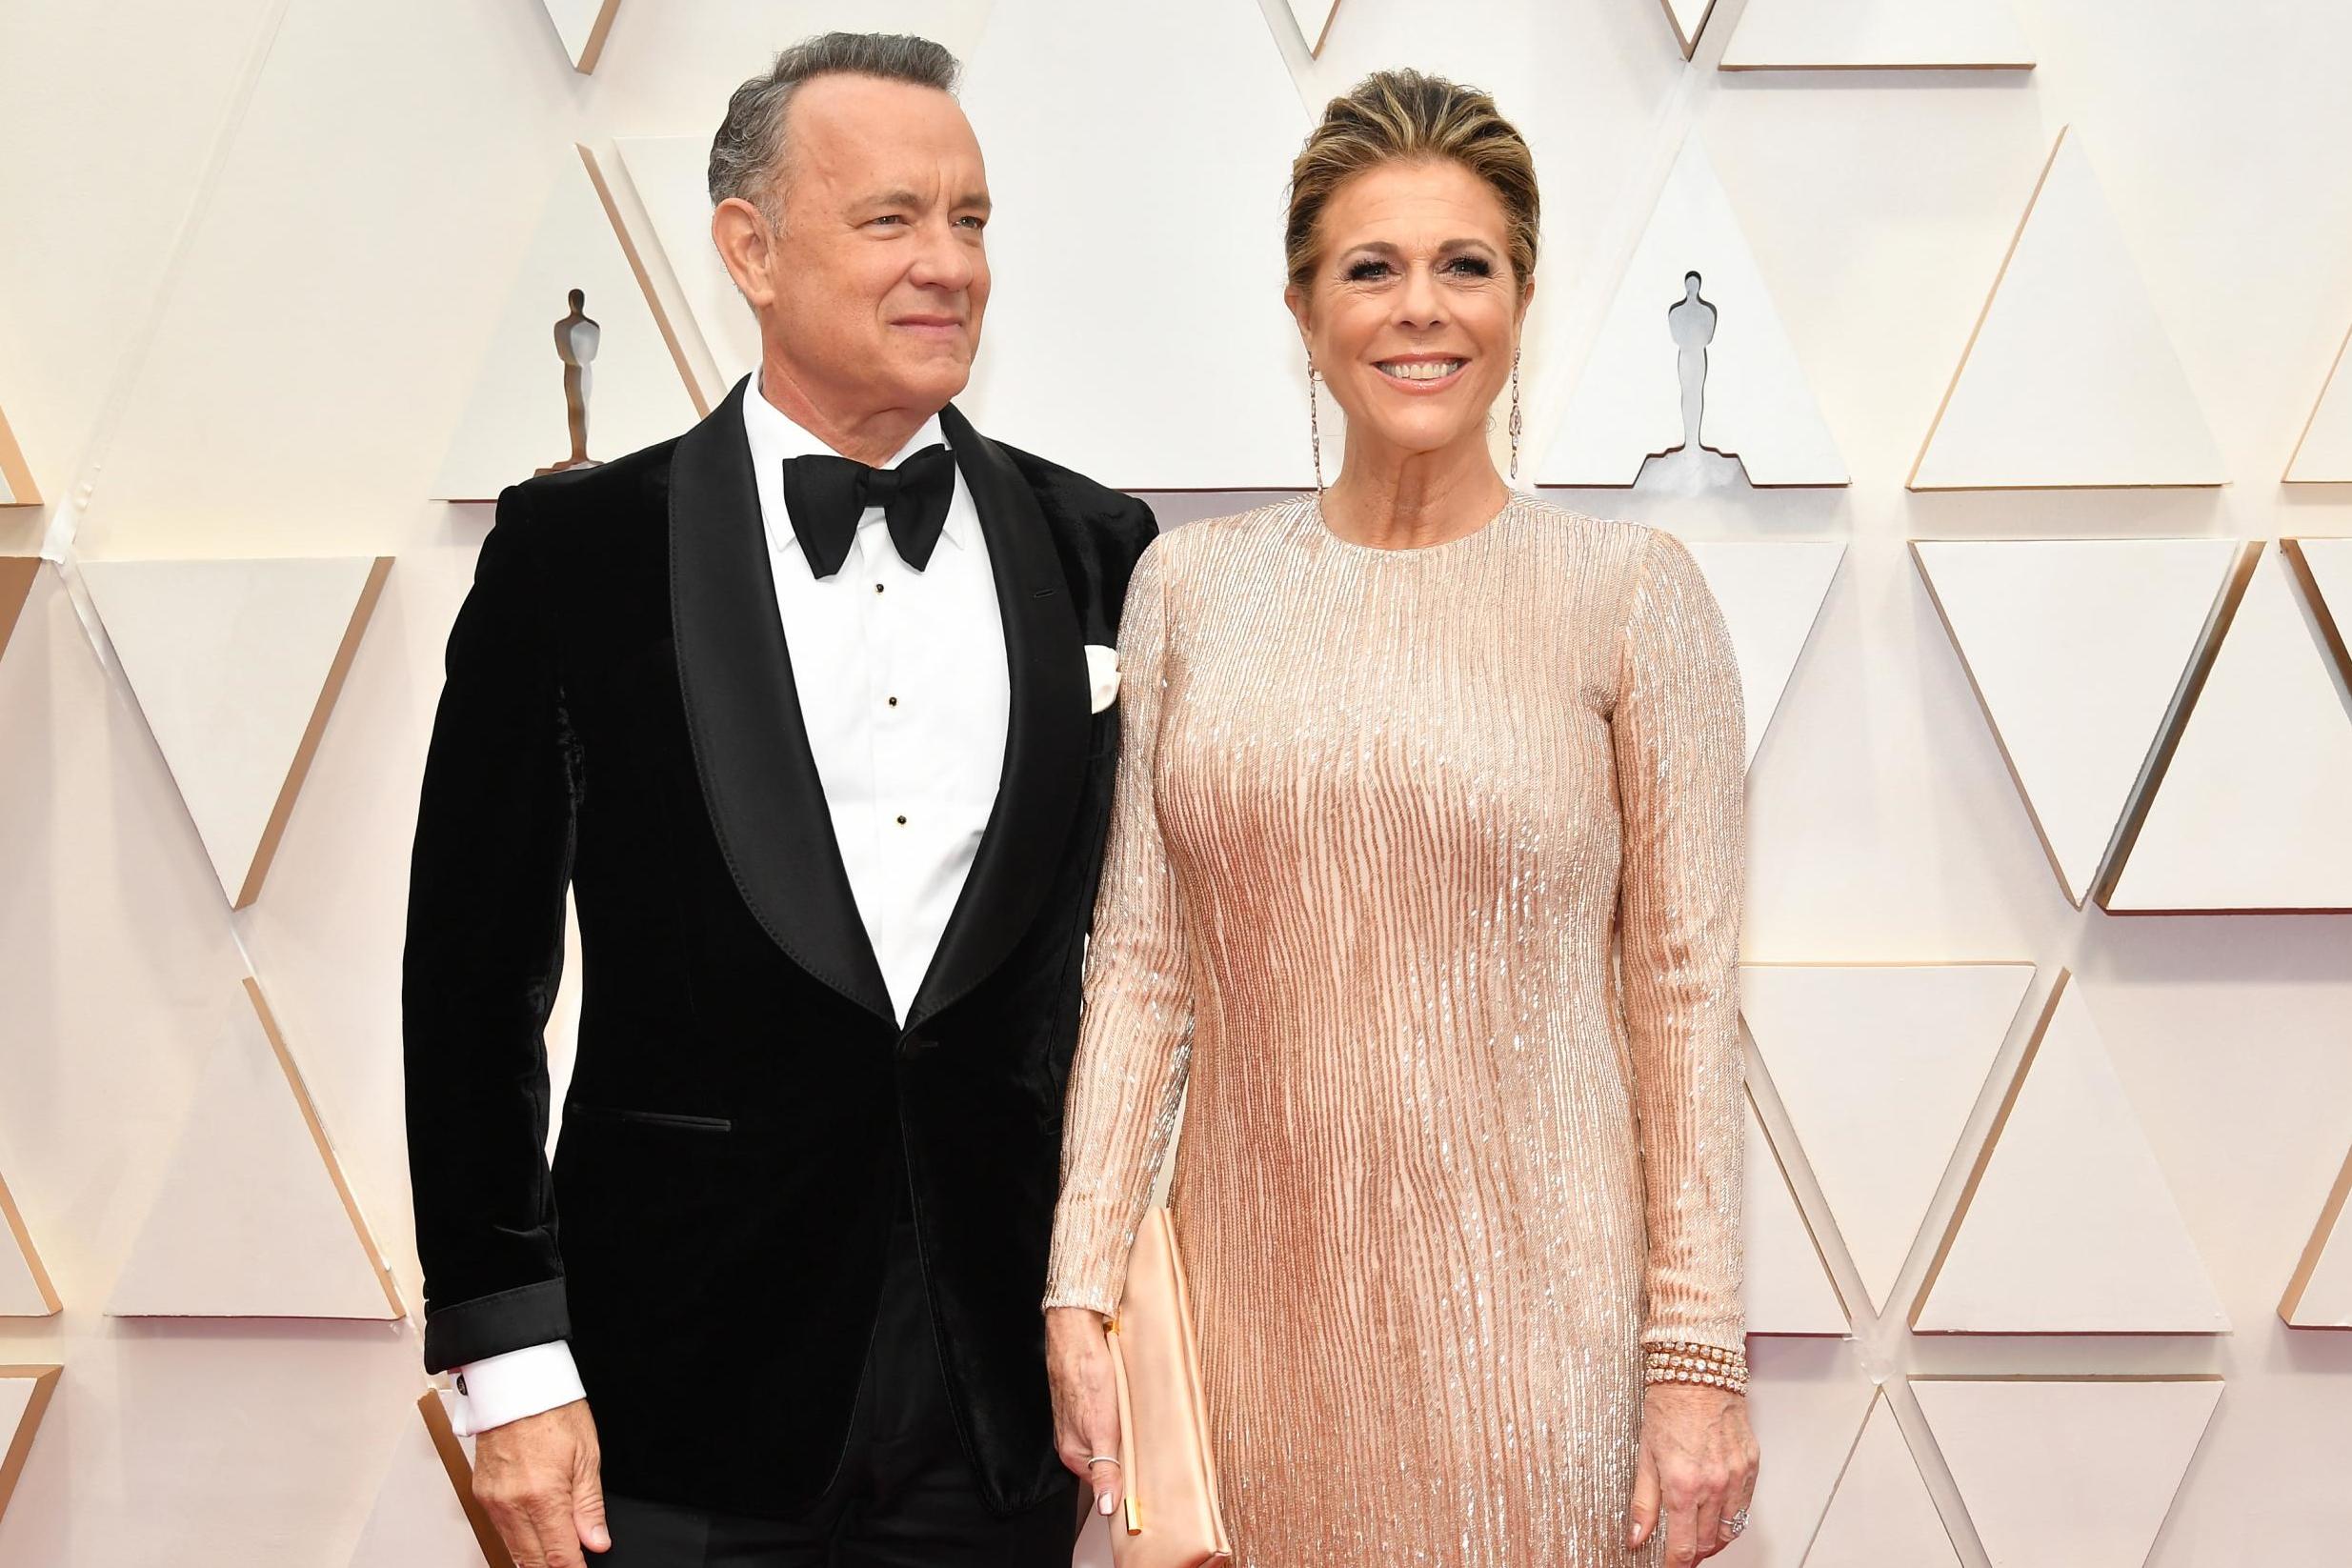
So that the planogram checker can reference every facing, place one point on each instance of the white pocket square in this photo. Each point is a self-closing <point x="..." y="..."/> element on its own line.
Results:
<point x="1101" y="676"/>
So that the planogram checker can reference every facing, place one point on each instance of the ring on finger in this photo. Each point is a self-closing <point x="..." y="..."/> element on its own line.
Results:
<point x="1103" y="1459"/>
<point x="1734" y="1522"/>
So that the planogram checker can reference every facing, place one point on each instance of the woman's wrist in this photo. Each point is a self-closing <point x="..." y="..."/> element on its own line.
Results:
<point x="1684" y="1362"/>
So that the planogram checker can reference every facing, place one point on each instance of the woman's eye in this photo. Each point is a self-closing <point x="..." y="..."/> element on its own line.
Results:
<point x="1471" y="267"/>
<point x="1364" y="272"/>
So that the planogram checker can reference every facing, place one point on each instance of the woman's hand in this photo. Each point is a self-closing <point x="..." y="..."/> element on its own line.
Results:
<point x="1077" y="1363"/>
<point x="1697" y="1458"/>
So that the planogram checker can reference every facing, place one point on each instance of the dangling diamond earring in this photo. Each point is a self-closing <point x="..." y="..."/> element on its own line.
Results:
<point x="1514" y="414"/>
<point x="1315" y="420"/>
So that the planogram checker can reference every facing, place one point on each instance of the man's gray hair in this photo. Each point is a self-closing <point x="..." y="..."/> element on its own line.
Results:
<point x="746" y="153"/>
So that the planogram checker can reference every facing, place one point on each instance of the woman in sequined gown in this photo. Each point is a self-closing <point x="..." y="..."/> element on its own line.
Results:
<point x="1408" y="767"/>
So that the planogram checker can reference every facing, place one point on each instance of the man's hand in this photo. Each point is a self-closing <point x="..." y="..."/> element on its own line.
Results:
<point x="537" y="1479"/>
<point x="1078" y="1362"/>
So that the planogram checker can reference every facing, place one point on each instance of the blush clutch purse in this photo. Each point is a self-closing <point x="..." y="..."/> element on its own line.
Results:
<point x="1171" y="1518"/>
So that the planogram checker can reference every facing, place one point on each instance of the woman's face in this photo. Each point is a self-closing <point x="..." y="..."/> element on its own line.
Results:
<point x="1412" y="311"/>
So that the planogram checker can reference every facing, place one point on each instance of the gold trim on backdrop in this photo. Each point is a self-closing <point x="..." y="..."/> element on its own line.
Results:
<point x="645" y="281"/>
<point x="1984" y="1152"/>
<point x="16" y="575"/>
<point x="452" y="1452"/>
<point x="265" y="852"/>
<point x="326" y="1150"/>
<point x="2340" y="365"/>
<point x="1689" y="42"/>
<point x="2331" y="1213"/>
<point x="16" y="1221"/>
<point x="20" y="1444"/>
<point x="15" y="471"/>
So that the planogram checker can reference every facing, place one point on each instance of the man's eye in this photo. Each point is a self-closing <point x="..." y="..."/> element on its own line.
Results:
<point x="890" y="217"/>
<point x="974" y="224"/>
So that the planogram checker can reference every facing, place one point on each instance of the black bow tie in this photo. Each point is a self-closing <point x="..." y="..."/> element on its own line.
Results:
<point x="827" y="495"/>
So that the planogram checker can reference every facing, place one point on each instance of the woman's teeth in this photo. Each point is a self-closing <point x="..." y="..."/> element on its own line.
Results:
<point x="1420" y="370"/>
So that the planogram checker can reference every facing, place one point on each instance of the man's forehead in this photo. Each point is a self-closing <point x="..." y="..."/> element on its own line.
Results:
<point x="861" y="120"/>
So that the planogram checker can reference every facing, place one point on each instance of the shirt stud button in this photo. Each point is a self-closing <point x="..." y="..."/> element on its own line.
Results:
<point x="877" y="588"/>
<point x="902" y="822"/>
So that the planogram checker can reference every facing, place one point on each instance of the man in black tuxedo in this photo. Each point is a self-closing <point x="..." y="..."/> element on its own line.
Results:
<point x="812" y="709"/>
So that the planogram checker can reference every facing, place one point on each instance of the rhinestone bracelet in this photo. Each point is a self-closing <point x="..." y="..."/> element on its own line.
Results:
<point x="1710" y="1365"/>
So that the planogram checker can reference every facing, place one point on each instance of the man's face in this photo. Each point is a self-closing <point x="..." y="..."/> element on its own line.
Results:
<point x="878" y="279"/>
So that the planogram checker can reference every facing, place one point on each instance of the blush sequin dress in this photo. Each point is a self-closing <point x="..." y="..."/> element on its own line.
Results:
<point x="1446" y="1163"/>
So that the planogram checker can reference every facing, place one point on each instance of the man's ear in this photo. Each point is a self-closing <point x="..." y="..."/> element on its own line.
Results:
<point x="747" y="247"/>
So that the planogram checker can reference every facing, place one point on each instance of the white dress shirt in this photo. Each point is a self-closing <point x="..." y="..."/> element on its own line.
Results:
<point x="904" y="691"/>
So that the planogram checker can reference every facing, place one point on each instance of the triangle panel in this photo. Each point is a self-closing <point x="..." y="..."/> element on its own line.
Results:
<point x="1878" y="1067"/>
<point x="425" y="1516"/>
<point x="2324" y="453"/>
<point x="1313" y="19"/>
<point x="1788" y="1289"/>
<point x="636" y="391"/>
<point x="2249" y="812"/>
<point x="1806" y="1426"/>
<point x="2070" y="379"/>
<point x="236" y="665"/>
<point x="1756" y="404"/>
<point x="24" y="1288"/>
<point x="2028" y="1454"/>
<point x="582" y="26"/>
<point x="16" y="575"/>
<point x="1689" y="19"/>
<point x="1881" y="1514"/>
<point x="669" y="175"/>
<point x="254" y="1217"/>
<point x="25" y="1394"/>
<point x="1876" y="36"/>
<point x="2068" y="1225"/>
<point x="1075" y="366"/>
<point x="2320" y="1295"/>
<point x="2077" y="649"/>
<point x="2324" y="567"/>
<point x="18" y="488"/>
<point x="1771" y="596"/>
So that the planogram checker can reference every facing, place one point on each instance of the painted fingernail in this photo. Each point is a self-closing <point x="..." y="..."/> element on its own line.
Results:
<point x="1102" y="1502"/>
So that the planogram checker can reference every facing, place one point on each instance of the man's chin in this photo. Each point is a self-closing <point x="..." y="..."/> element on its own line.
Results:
<point x="937" y="384"/>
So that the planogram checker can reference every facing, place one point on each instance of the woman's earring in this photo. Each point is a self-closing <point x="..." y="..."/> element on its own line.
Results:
<point x="1315" y="420"/>
<point x="1514" y="415"/>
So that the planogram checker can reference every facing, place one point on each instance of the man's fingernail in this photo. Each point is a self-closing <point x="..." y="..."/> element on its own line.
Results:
<point x="597" y="1537"/>
<point x="1102" y="1502"/>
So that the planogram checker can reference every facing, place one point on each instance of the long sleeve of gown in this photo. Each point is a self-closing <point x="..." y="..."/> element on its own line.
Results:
<point x="1134" y="1045"/>
<point x="1679" y="731"/>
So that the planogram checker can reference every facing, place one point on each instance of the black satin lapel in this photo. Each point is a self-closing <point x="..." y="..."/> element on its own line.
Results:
<point x="759" y="778"/>
<point x="1045" y="742"/>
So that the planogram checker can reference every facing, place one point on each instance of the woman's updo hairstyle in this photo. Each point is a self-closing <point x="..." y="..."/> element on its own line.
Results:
<point x="1394" y="116"/>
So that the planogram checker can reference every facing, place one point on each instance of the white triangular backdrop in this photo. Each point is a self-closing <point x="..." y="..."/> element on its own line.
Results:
<point x="2070" y="379"/>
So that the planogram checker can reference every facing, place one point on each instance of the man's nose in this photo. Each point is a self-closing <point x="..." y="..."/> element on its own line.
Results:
<point x="945" y="260"/>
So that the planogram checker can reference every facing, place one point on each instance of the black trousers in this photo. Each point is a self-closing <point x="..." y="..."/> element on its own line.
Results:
<point x="905" y="1497"/>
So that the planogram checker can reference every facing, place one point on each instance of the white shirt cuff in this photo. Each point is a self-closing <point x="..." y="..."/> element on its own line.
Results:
<point x="499" y="1389"/>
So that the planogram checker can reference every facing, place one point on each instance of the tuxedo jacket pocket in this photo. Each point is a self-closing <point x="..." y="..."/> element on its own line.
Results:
<point x="648" y="1119"/>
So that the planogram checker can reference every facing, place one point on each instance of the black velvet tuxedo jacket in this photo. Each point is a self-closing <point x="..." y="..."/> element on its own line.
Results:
<point x="621" y="718"/>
